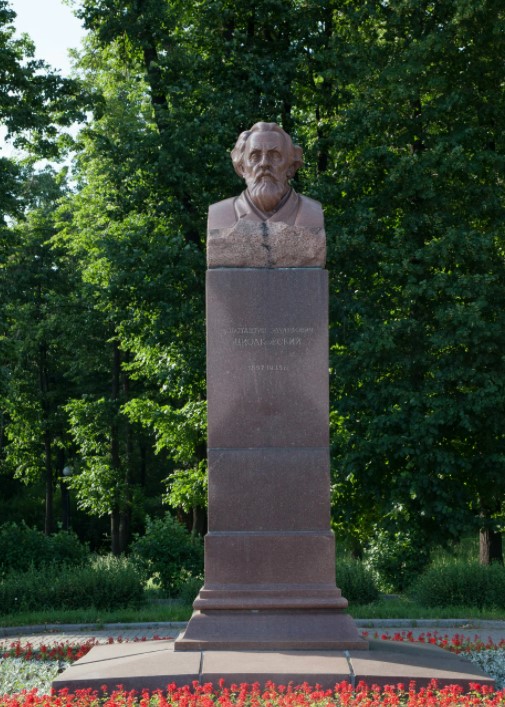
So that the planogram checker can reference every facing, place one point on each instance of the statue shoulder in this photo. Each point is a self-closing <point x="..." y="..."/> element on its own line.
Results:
<point x="310" y="212"/>
<point x="222" y="214"/>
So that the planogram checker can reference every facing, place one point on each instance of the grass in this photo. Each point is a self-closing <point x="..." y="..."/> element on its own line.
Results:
<point x="403" y="608"/>
<point x="400" y="608"/>
<point x="146" y="614"/>
<point x="158" y="608"/>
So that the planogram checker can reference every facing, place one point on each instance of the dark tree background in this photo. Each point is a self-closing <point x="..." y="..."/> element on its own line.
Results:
<point x="400" y="110"/>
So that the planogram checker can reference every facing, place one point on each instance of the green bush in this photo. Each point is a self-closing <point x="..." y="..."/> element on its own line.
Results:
<point x="356" y="582"/>
<point x="65" y="548"/>
<point x="168" y="552"/>
<point x="188" y="590"/>
<point x="460" y="583"/>
<point x="396" y="559"/>
<point x="22" y="547"/>
<point x="106" y="584"/>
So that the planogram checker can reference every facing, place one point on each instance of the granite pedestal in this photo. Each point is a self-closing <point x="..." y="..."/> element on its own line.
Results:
<point x="269" y="609"/>
<point x="154" y="665"/>
<point x="269" y="552"/>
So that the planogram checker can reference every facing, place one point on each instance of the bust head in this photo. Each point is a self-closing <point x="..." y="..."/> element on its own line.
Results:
<point x="267" y="159"/>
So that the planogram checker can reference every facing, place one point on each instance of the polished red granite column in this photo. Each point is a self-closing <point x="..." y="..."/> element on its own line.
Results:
<point x="269" y="552"/>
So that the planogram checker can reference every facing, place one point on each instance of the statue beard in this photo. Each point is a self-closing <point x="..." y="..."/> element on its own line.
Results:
<point x="266" y="193"/>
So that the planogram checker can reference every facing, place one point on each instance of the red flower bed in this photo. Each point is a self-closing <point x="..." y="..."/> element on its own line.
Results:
<point x="456" y="643"/>
<point x="244" y="695"/>
<point x="62" y="651"/>
<point x="196" y="695"/>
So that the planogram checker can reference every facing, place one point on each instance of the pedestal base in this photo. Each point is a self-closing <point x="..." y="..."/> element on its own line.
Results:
<point x="270" y="630"/>
<point x="153" y="665"/>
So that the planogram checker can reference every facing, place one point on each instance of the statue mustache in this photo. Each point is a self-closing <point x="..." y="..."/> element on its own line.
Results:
<point x="262" y="173"/>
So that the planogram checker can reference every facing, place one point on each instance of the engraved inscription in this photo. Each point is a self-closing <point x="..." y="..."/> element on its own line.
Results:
<point x="293" y="330"/>
<point x="259" y="367"/>
<point x="283" y="341"/>
<point x="267" y="339"/>
<point x="246" y="330"/>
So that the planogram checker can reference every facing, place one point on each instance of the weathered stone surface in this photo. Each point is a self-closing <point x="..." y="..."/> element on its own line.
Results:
<point x="266" y="597"/>
<point x="267" y="630"/>
<point x="390" y="663"/>
<point x="269" y="552"/>
<point x="266" y="245"/>
<point x="135" y="666"/>
<point x="153" y="665"/>
<point x="269" y="489"/>
<point x="321" y="667"/>
<point x="276" y="558"/>
<point x="267" y="358"/>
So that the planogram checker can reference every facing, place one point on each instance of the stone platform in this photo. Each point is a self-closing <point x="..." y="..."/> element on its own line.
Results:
<point x="154" y="664"/>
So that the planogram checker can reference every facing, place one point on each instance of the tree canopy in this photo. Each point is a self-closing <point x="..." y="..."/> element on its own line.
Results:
<point x="400" y="110"/>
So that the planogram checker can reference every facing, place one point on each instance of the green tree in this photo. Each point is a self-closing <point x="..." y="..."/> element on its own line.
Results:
<point x="170" y="98"/>
<point x="35" y="103"/>
<point x="418" y="305"/>
<point x="37" y="309"/>
<point x="138" y="270"/>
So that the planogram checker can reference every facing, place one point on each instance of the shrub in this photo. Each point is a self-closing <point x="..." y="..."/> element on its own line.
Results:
<point x="188" y="590"/>
<point x="396" y="559"/>
<point x="106" y="584"/>
<point x="65" y="548"/>
<point x="22" y="547"/>
<point x="356" y="582"/>
<point x="459" y="583"/>
<point x="168" y="552"/>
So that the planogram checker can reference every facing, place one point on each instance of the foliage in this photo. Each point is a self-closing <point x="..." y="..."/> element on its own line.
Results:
<point x="356" y="582"/>
<point x="107" y="584"/>
<point x="19" y="656"/>
<point x="181" y="430"/>
<point x="66" y="650"/>
<point x="172" y="611"/>
<point x="416" y="224"/>
<point x="22" y="547"/>
<point x="400" y="109"/>
<point x="38" y="324"/>
<point x="17" y="674"/>
<point x="396" y="559"/>
<point x="456" y="582"/>
<point x="99" y="481"/>
<point x="34" y="100"/>
<point x="168" y="552"/>
<point x="188" y="590"/>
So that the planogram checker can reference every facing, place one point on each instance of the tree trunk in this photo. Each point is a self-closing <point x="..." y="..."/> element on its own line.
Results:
<point x="65" y="505"/>
<point x="199" y="526"/>
<point x="65" y="494"/>
<point x="114" y="449"/>
<point x="48" y="521"/>
<point x="490" y="546"/>
<point x="143" y="464"/>
<point x="48" y="466"/>
<point x="115" y="544"/>
<point x="124" y="530"/>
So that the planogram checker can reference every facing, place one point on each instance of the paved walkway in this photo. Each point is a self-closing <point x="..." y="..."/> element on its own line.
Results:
<point x="78" y="633"/>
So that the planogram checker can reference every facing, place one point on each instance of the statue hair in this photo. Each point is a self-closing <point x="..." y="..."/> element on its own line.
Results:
<point x="295" y="151"/>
